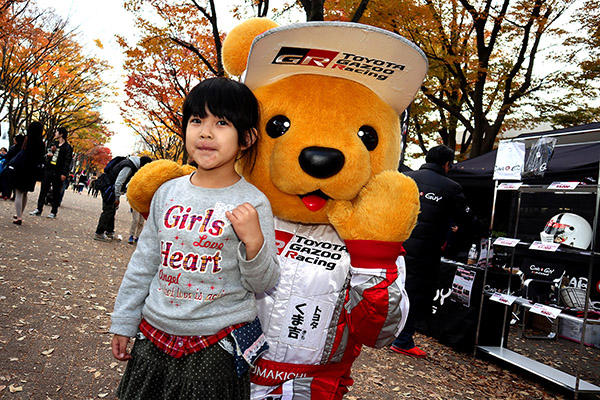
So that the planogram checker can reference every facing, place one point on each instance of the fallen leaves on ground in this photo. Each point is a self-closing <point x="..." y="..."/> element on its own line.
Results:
<point x="58" y="287"/>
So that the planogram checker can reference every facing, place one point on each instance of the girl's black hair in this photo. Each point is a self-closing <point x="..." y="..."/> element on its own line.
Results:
<point x="33" y="140"/>
<point x="226" y="98"/>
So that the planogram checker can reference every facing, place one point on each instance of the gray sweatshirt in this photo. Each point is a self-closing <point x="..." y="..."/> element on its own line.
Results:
<point x="189" y="274"/>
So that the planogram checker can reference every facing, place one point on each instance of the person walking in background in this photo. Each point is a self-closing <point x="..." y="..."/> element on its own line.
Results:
<point x="27" y="163"/>
<point x="91" y="185"/>
<point x="137" y="224"/>
<point x="442" y="201"/>
<point x="3" y="152"/>
<point x="81" y="182"/>
<point x="3" y="161"/>
<point x="112" y="184"/>
<point x="95" y="190"/>
<point x="74" y="185"/>
<point x="5" y="179"/>
<point x="58" y="164"/>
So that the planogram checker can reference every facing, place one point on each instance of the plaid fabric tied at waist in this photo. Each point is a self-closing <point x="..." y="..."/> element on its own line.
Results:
<point x="179" y="346"/>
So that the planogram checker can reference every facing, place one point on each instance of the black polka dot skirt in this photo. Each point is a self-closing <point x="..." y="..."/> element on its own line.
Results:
<point x="205" y="375"/>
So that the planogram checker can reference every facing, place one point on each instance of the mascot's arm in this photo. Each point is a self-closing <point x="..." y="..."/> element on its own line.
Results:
<point x="148" y="179"/>
<point x="377" y="304"/>
<point x="373" y="227"/>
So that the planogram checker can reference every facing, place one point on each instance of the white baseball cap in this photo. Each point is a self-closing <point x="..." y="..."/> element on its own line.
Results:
<point x="388" y="64"/>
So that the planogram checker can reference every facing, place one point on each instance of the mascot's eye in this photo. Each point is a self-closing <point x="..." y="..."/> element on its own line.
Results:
<point x="278" y="125"/>
<point x="368" y="135"/>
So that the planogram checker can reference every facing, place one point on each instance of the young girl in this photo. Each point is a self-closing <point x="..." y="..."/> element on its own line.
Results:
<point x="207" y="247"/>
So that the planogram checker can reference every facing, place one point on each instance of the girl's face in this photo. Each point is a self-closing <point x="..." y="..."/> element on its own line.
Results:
<point x="212" y="142"/>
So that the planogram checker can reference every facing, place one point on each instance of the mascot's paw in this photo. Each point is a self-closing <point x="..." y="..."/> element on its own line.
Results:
<point x="385" y="209"/>
<point x="148" y="179"/>
<point x="188" y="169"/>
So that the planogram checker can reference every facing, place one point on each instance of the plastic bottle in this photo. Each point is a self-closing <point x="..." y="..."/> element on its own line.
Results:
<point x="472" y="257"/>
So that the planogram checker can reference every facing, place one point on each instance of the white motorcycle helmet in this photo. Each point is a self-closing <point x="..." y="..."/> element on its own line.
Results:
<point x="568" y="229"/>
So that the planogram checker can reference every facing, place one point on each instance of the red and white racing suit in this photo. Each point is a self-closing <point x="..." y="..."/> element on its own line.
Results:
<point x="324" y="308"/>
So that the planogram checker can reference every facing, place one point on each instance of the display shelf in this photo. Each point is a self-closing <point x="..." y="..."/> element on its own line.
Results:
<point x="562" y="190"/>
<point x="580" y="189"/>
<point x="542" y="370"/>
<point x="523" y="302"/>
<point x="561" y="249"/>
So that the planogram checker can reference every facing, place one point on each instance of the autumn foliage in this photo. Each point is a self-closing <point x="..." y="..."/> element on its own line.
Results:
<point x="45" y="75"/>
<point x="171" y="57"/>
<point x="491" y="66"/>
<point x="485" y="63"/>
<point x="97" y="158"/>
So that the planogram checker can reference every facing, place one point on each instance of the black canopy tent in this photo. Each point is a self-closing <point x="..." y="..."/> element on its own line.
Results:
<point x="576" y="158"/>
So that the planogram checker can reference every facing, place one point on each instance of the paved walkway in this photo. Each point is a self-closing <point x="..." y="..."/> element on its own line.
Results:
<point x="57" y="288"/>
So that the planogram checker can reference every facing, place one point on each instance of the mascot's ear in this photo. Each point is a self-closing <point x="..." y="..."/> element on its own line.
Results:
<point x="236" y="45"/>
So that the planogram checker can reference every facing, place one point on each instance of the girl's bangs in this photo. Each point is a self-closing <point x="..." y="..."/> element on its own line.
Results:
<point x="220" y="103"/>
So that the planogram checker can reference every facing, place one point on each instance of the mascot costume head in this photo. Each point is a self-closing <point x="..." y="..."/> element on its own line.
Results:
<point x="330" y="96"/>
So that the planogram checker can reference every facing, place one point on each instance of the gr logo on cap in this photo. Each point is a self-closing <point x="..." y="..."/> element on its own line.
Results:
<point x="388" y="64"/>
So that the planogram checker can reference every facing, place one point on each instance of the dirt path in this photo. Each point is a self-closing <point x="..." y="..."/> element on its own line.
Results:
<point x="57" y="288"/>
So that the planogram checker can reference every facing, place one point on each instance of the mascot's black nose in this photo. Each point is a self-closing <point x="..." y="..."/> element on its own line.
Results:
<point x="321" y="162"/>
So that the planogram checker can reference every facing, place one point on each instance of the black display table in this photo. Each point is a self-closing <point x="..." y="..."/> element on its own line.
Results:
<point x="454" y="314"/>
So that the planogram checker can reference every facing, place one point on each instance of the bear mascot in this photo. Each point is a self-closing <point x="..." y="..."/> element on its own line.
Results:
<point x="330" y="96"/>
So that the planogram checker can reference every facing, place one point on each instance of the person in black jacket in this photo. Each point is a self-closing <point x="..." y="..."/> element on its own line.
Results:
<point x="442" y="202"/>
<point x="6" y="185"/>
<point x="58" y="165"/>
<point x="112" y="184"/>
<point x="26" y="164"/>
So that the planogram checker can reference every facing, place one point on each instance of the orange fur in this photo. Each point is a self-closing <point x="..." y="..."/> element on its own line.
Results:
<point x="328" y="124"/>
<point x="147" y="180"/>
<point x="376" y="213"/>
<point x="236" y="45"/>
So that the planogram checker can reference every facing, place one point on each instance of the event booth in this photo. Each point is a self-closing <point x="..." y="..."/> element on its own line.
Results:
<point x="545" y="292"/>
<point x="576" y="160"/>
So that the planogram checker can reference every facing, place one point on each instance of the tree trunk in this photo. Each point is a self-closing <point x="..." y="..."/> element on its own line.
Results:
<point x="360" y="10"/>
<point x="313" y="9"/>
<point x="477" y="136"/>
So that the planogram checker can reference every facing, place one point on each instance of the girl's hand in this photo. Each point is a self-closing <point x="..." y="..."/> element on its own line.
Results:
<point x="119" y="347"/>
<point x="245" y="223"/>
